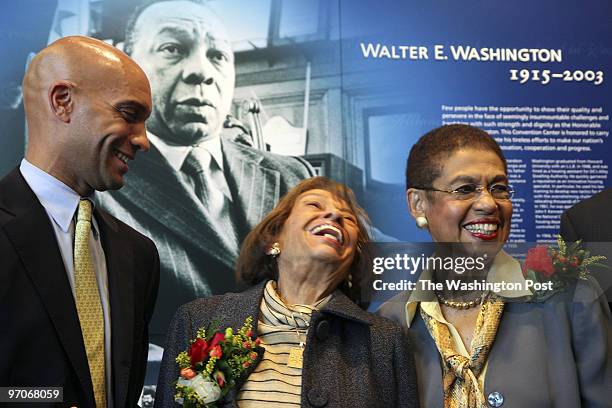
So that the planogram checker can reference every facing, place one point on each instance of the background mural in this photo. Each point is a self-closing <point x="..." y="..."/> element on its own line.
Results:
<point x="346" y="87"/>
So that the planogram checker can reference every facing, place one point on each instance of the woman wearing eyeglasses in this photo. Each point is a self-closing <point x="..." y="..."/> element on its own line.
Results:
<point x="473" y="348"/>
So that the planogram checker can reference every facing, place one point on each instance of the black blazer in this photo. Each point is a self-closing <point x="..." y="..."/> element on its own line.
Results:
<point x="41" y="342"/>
<point x="591" y="221"/>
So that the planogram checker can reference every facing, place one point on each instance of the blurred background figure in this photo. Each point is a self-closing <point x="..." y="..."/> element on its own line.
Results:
<point x="591" y="221"/>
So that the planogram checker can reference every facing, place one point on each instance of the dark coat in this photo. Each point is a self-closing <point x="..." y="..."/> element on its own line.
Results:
<point x="352" y="358"/>
<point x="591" y="221"/>
<point x="41" y="343"/>
<point x="194" y="261"/>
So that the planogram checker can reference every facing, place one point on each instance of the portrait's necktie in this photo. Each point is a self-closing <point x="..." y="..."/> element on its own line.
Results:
<point x="210" y="186"/>
<point x="209" y="182"/>
<point x="89" y="305"/>
<point x="460" y="377"/>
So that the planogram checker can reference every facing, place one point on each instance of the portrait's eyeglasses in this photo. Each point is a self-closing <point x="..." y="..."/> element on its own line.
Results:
<point x="499" y="192"/>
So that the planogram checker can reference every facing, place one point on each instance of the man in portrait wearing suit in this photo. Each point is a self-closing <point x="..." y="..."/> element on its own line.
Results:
<point x="591" y="221"/>
<point x="197" y="193"/>
<point x="77" y="286"/>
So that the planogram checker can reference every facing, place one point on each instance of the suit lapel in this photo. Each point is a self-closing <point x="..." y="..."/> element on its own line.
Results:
<point x="161" y="193"/>
<point x="34" y="240"/>
<point x="120" y="270"/>
<point x="255" y="187"/>
<point x="427" y="360"/>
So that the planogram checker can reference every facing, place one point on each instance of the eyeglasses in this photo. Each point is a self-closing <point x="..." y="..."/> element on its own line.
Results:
<point x="499" y="192"/>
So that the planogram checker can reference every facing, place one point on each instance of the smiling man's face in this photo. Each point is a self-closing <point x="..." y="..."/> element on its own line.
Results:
<point x="186" y="54"/>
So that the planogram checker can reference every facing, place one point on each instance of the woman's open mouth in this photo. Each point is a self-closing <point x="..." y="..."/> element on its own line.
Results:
<point x="330" y="232"/>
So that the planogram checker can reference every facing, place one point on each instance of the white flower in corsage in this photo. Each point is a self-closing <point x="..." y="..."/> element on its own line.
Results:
<point x="213" y="363"/>
<point x="207" y="390"/>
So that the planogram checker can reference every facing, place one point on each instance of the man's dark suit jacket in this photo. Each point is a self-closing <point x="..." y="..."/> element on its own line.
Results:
<point x="41" y="342"/>
<point x="591" y="221"/>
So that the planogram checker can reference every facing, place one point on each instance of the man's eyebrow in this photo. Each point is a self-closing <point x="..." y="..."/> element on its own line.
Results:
<point x="173" y="28"/>
<point x="141" y="111"/>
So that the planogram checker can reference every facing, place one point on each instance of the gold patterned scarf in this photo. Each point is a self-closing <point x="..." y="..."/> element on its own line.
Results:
<point x="460" y="374"/>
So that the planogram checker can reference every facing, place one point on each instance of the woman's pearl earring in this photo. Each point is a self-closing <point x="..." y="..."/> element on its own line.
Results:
<point x="274" y="250"/>
<point x="421" y="222"/>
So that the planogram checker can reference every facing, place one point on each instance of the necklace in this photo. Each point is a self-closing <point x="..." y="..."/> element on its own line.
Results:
<point x="296" y="354"/>
<point x="303" y="312"/>
<point x="468" y="304"/>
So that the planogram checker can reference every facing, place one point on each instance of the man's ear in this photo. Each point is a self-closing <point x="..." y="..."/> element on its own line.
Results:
<point x="417" y="202"/>
<point x="61" y="100"/>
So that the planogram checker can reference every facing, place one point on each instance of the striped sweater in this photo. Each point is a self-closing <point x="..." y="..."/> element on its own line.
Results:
<point x="280" y="327"/>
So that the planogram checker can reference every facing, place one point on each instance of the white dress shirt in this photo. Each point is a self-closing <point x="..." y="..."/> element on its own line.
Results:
<point x="176" y="154"/>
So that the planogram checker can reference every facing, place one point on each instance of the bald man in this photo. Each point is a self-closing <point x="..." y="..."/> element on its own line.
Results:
<point x="77" y="286"/>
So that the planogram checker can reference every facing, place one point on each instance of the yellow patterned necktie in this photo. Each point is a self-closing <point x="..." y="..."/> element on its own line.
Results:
<point x="460" y="376"/>
<point x="89" y="305"/>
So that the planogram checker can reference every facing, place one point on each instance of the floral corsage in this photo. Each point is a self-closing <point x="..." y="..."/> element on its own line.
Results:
<point x="558" y="266"/>
<point x="213" y="363"/>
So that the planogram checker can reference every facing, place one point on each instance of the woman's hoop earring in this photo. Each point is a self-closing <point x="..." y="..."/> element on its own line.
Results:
<point x="274" y="250"/>
<point x="421" y="222"/>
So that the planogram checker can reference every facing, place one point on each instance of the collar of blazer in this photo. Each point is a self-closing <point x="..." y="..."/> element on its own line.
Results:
<point x="238" y="306"/>
<point x="504" y="269"/>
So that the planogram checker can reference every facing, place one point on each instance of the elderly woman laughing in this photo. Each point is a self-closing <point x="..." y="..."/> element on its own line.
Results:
<point x="318" y="348"/>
